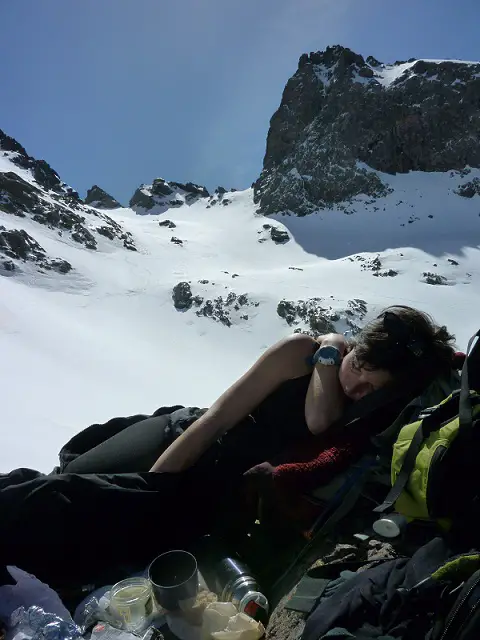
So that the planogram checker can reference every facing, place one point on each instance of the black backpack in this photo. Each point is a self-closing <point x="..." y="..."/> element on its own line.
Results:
<point x="435" y="595"/>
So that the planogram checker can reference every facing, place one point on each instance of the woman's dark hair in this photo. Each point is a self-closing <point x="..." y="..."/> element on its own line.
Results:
<point x="404" y="341"/>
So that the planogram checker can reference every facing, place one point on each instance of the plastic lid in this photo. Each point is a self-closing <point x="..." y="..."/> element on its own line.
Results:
<point x="255" y="605"/>
<point x="388" y="527"/>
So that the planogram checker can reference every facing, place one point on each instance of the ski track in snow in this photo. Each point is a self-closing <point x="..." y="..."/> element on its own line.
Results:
<point x="106" y="340"/>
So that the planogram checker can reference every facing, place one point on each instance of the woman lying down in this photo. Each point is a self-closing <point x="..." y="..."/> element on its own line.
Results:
<point x="129" y="489"/>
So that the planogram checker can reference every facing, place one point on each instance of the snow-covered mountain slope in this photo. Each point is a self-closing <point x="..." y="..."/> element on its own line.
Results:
<point x="105" y="338"/>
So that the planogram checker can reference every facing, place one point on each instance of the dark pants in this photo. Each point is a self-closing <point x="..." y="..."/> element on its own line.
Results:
<point x="102" y="514"/>
<point x="133" y="450"/>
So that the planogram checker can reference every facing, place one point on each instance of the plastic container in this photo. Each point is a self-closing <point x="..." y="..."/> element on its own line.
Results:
<point x="131" y="600"/>
<point x="390" y="526"/>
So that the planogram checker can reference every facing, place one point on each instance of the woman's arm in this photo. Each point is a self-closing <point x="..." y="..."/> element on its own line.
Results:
<point x="325" y="400"/>
<point x="285" y="360"/>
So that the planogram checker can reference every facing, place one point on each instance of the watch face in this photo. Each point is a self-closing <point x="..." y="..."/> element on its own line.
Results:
<point x="328" y="355"/>
<point x="329" y="352"/>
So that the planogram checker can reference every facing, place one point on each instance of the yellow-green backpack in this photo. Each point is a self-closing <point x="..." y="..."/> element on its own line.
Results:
<point x="435" y="467"/>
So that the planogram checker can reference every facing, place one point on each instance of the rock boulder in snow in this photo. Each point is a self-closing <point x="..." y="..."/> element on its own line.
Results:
<point x="182" y="296"/>
<point x="100" y="199"/>
<point x="279" y="236"/>
<point x="167" y="223"/>
<point x="434" y="278"/>
<point x="342" y="117"/>
<point x="469" y="189"/>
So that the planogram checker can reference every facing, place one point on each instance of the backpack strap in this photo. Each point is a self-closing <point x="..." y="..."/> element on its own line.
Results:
<point x="465" y="407"/>
<point x="425" y="428"/>
<point x="405" y="471"/>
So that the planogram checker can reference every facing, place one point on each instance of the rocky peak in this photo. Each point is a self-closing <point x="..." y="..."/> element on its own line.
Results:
<point x="160" y="187"/>
<point x="192" y="188"/>
<point x="373" y="62"/>
<point x="162" y="195"/>
<point x="343" y="117"/>
<point x="41" y="170"/>
<point x="100" y="199"/>
<point x="341" y="60"/>
<point x="37" y="193"/>
<point x="7" y="143"/>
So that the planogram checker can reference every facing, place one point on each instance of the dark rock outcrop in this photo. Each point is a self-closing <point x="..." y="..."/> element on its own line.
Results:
<point x="52" y="203"/>
<point x="342" y="117"/>
<point x="17" y="195"/>
<point x="279" y="236"/>
<point x="141" y="199"/>
<point x="165" y="195"/>
<point x="314" y="317"/>
<point x="18" y="245"/>
<point x="85" y="237"/>
<point x="225" y="310"/>
<point x="97" y="197"/>
<point x="318" y="319"/>
<point x="160" y="188"/>
<point x="434" y="278"/>
<point x="469" y="189"/>
<point x="194" y="189"/>
<point x="41" y="170"/>
<point x="182" y="296"/>
<point x="167" y="223"/>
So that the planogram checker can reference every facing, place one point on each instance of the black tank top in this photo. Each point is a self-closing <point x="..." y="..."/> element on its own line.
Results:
<point x="276" y="424"/>
<point x="283" y="411"/>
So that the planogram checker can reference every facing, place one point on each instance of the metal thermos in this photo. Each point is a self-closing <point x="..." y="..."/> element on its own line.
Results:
<point x="234" y="583"/>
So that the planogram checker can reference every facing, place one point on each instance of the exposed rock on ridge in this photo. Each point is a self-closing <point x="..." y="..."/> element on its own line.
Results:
<point x="342" y="117"/>
<point x="97" y="197"/>
<point x="161" y="195"/>
<point x="36" y="192"/>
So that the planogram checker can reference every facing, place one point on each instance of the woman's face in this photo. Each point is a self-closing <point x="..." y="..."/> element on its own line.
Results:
<point x="357" y="383"/>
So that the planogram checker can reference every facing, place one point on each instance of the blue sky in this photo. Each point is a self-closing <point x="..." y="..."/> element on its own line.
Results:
<point x="118" y="92"/>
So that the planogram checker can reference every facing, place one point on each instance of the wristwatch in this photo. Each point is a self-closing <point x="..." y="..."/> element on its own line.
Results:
<point x="327" y="355"/>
